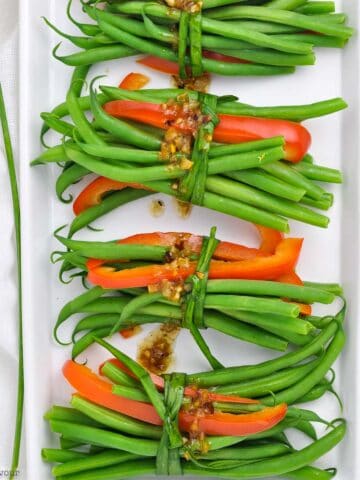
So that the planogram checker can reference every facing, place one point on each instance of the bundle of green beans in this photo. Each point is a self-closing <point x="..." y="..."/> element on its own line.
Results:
<point x="247" y="180"/>
<point x="251" y="310"/>
<point x="99" y="443"/>
<point x="271" y="37"/>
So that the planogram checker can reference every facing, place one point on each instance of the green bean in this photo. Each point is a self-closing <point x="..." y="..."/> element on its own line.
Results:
<point x="309" y="473"/>
<point x="98" y="436"/>
<point x="214" y="41"/>
<point x="108" y="320"/>
<point x="291" y="394"/>
<point x="295" y="113"/>
<point x="113" y="250"/>
<point x="66" y="444"/>
<point x="323" y="204"/>
<point x="287" y="174"/>
<point x="247" y="333"/>
<point x="252" y="304"/>
<point x="263" y="181"/>
<point x="81" y="123"/>
<point x="75" y="306"/>
<point x="116" y="305"/>
<point x="195" y="24"/>
<point x="311" y="8"/>
<point x="243" y="161"/>
<point x="151" y="95"/>
<point x="123" y="470"/>
<point x="87" y="340"/>
<point x="317" y="172"/>
<point x="268" y="56"/>
<point x="115" y="172"/>
<point x="284" y="17"/>
<point x="94" y="55"/>
<point x="245" y="372"/>
<point x="131" y="393"/>
<point x="315" y="39"/>
<point x="115" y="420"/>
<point x="108" y="204"/>
<point x="244" y="211"/>
<point x="334" y="288"/>
<point x="246" y="147"/>
<point x="278" y="465"/>
<point x="58" y="125"/>
<point x="285" y="4"/>
<point x="272" y="323"/>
<point x="210" y="24"/>
<point x="60" y="456"/>
<point x="117" y="376"/>
<point x="100" y="460"/>
<point x="158" y="32"/>
<point x="67" y="414"/>
<point x="51" y="155"/>
<point x="121" y="129"/>
<point x="246" y="453"/>
<point x="81" y="42"/>
<point x="133" y="306"/>
<point x="304" y="294"/>
<point x="120" y="153"/>
<point x="314" y="394"/>
<point x="254" y="197"/>
<point x="273" y="383"/>
<point x="68" y="177"/>
<point x="87" y="29"/>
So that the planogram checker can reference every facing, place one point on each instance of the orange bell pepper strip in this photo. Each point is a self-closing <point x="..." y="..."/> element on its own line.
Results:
<point x="134" y="81"/>
<point x="192" y="243"/>
<point x="270" y="239"/>
<point x="98" y="391"/>
<point x="230" y="129"/>
<point x="95" y="191"/>
<point x="260" y="268"/>
<point x="188" y="391"/>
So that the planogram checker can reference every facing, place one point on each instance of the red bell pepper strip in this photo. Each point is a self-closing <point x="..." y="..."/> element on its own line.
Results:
<point x="160" y="64"/>
<point x="172" y="68"/>
<point x="260" y="268"/>
<point x="98" y="391"/>
<point x="134" y="81"/>
<point x="231" y="128"/>
<point x="95" y="191"/>
<point x="222" y="58"/>
<point x="192" y="244"/>
<point x="189" y="391"/>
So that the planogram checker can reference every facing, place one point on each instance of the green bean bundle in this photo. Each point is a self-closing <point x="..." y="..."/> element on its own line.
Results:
<point x="249" y="180"/>
<point x="225" y="37"/>
<point x="112" y="440"/>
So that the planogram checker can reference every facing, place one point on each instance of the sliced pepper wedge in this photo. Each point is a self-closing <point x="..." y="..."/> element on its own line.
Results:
<point x="259" y="268"/>
<point x="134" y="81"/>
<point x="230" y="129"/>
<point x="95" y="389"/>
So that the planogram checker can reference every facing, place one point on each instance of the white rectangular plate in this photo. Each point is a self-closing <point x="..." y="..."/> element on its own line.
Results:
<point x="328" y="255"/>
